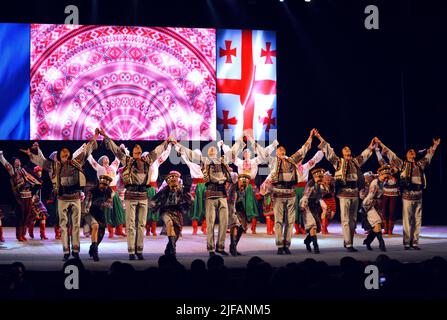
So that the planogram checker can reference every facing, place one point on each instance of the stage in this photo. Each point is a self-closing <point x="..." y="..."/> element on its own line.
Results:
<point x="46" y="255"/>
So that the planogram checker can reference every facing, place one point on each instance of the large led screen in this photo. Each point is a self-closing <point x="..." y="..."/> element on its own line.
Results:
<point x="60" y="82"/>
<point x="246" y="82"/>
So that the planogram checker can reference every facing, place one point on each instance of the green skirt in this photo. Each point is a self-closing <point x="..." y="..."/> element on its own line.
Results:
<point x="251" y="207"/>
<point x="151" y="215"/>
<point x="198" y="209"/>
<point x="299" y="192"/>
<point x="115" y="216"/>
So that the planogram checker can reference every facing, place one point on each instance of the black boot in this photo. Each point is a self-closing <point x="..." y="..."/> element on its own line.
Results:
<point x="307" y="242"/>
<point x="168" y="248"/>
<point x="93" y="252"/>
<point x="222" y="252"/>
<point x="140" y="256"/>
<point x="233" y="250"/>
<point x="315" y="244"/>
<point x="381" y="242"/>
<point x="235" y="240"/>
<point x="75" y="255"/>
<point x="66" y="257"/>
<point x="369" y="239"/>
<point x="171" y="246"/>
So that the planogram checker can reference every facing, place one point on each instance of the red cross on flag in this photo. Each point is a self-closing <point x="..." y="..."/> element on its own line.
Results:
<point x="246" y="82"/>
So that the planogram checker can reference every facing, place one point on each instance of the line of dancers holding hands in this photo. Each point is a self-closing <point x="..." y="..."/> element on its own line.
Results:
<point x="295" y="193"/>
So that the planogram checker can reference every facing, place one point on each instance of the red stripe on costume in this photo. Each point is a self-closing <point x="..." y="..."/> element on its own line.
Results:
<point x="301" y="184"/>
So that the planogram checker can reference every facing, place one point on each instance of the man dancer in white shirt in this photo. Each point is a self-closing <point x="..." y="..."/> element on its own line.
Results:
<point x="216" y="173"/>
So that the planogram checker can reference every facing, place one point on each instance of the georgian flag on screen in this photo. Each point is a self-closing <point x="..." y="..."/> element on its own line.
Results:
<point x="246" y="82"/>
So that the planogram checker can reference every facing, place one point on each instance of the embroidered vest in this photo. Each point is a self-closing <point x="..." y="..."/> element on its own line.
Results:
<point x="225" y="169"/>
<point x="126" y="175"/>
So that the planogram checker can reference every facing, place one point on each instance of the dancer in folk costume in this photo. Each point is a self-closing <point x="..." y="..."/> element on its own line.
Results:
<point x="22" y="183"/>
<point x="412" y="182"/>
<point x="239" y="201"/>
<point x="328" y="189"/>
<point x="38" y="209"/>
<point x="284" y="177"/>
<point x="136" y="179"/>
<point x="70" y="180"/>
<point x="115" y="216"/>
<point x="152" y="217"/>
<point x="249" y="166"/>
<point x="197" y="191"/>
<point x="266" y="187"/>
<point x="216" y="174"/>
<point x="51" y="203"/>
<point x="313" y="208"/>
<point x="372" y="207"/>
<point x="391" y="193"/>
<point x="98" y="201"/>
<point x="172" y="202"/>
<point x="303" y="175"/>
<point x="368" y="177"/>
<point x="349" y="180"/>
<point x="267" y="205"/>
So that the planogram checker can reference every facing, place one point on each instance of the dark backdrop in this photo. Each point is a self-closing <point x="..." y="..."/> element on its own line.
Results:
<point x="333" y="74"/>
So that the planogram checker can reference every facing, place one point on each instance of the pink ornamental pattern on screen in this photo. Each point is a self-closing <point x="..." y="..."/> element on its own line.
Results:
<point x="137" y="83"/>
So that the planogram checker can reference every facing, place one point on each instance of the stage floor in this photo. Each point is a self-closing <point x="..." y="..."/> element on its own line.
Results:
<point x="46" y="255"/>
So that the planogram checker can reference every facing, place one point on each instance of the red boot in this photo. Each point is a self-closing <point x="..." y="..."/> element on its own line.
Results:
<point x="203" y="226"/>
<point x="148" y="229"/>
<point x="2" y="239"/>
<point x="297" y="228"/>
<point x="324" y="224"/>
<point x="110" y="230"/>
<point x="21" y="234"/>
<point x="302" y="230"/>
<point x="57" y="233"/>
<point x="42" y="231"/>
<point x="253" y="225"/>
<point x="268" y="224"/>
<point x="195" y="226"/>
<point x="272" y="227"/>
<point x="154" y="228"/>
<point x="119" y="231"/>
<point x="24" y="234"/>
<point x="31" y="232"/>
